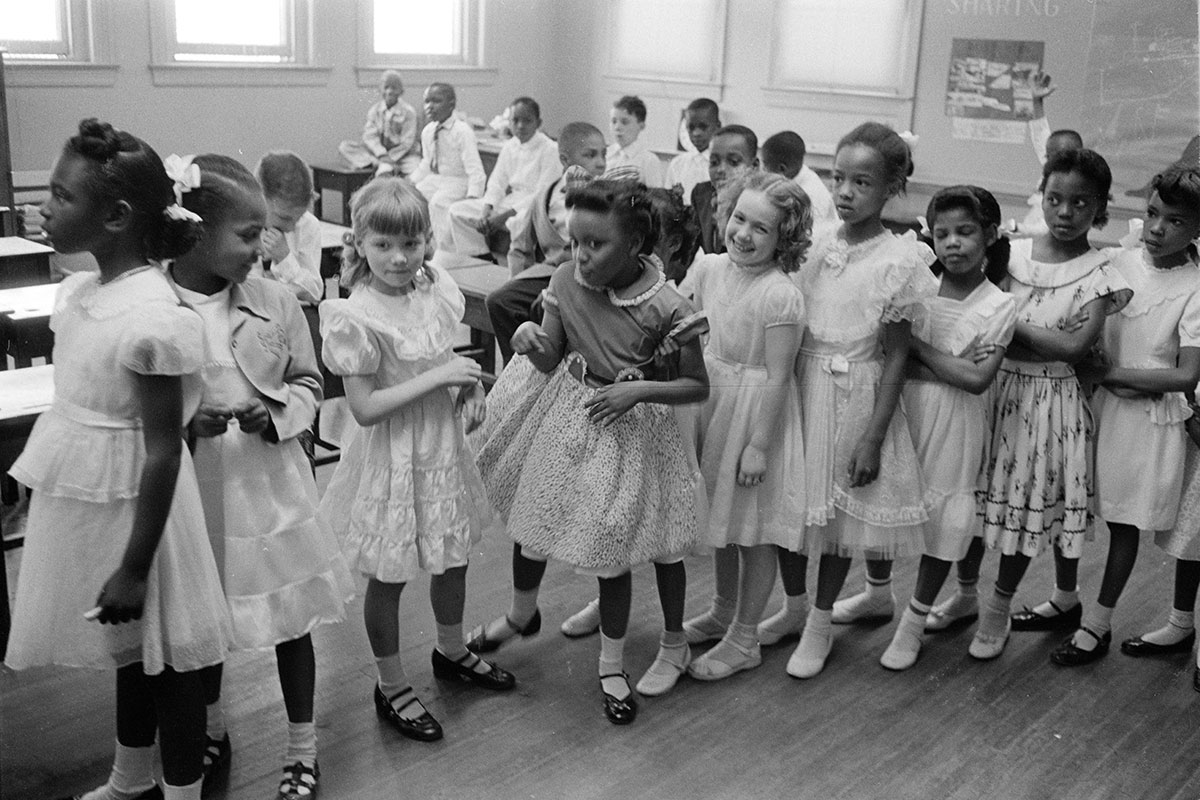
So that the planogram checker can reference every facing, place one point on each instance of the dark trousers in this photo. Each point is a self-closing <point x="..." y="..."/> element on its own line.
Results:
<point x="510" y="305"/>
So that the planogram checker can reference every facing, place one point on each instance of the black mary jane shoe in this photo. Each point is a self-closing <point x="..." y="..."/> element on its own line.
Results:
<point x="424" y="728"/>
<point x="1030" y="620"/>
<point x="1068" y="655"/>
<point x="478" y="641"/>
<point x="1139" y="647"/>
<point x="619" y="711"/>
<point x="463" y="671"/>
<point x="299" y="781"/>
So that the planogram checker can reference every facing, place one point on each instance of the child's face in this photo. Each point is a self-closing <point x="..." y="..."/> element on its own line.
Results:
<point x="860" y="183"/>
<point x="701" y="125"/>
<point x="524" y="122"/>
<point x="1069" y="204"/>
<point x="1168" y="229"/>
<point x="283" y="215"/>
<point x="73" y="219"/>
<point x="227" y="251"/>
<point x="728" y="158"/>
<point x="394" y="259"/>
<point x="589" y="154"/>
<point x="752" y="233"/>
<point x="438" y="105"/>
<point x="600" y="248"/>
<point x="390" y="92"/>
<point x="625" y="126"/>
<point x="960" y="241"/>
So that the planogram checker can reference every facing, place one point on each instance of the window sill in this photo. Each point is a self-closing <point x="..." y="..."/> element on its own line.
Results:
<point x="194" y="74"/>
<point x="417" y="77"/>
<point x="39" y="74"/>
<point x="674" y="88"/>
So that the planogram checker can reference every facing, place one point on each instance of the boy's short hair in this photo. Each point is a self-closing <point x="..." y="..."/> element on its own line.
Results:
<point x="1070" y="137"/>
<point x="444" y="88"/>
<point x="747" y="135"/>
<point x="573" y="134"/>
<point x="705" y="105"/>
<point x="392" y="78"/>
<point x="632" y="104"/>
<point x="529" y="103"/>
<point x="785" y="147"/>
<point x="285" y="176"/>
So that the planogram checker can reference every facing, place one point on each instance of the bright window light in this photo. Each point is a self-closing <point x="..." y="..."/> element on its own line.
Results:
<point x="426" y="27"/>
<point x="239" y="23"/>
<point x="30" y="20"/>
<point x="841" y="43"/>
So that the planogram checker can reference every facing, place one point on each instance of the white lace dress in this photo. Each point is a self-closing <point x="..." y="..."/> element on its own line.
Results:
<point x="406" y="497"/>
<point x="84" y="461"/>
<point x="951" y="427"/>
<point x="850" y="292"/>
<point x="1140" y="443"/>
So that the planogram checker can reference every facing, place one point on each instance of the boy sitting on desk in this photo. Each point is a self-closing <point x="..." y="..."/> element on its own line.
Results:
<point x="784" y="153"/>
<point x="627" y="121"/>
<point x="702" y="119"/>
<point x="389" y="138"/>
<point x="540" y="244"/>
<point x="450" y="169"/>
<point x="528" y="162"/>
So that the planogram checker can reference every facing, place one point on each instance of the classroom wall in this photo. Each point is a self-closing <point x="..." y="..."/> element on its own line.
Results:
<point x="521" y="42"/>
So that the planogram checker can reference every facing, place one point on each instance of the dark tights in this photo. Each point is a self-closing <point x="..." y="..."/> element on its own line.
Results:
<point x="170" y="704"/>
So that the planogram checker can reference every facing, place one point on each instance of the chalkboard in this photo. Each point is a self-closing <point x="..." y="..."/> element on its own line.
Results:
<point x="1142" y="86"/>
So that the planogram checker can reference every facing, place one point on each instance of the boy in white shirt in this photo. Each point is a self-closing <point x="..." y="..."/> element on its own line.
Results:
<point x="784" y="153"/>
<point x="450" y="167"/>
<point x="390" y="136"/>
<point x="291" y="240"/>
<point x="627" y="121"/>
<point x="528" y="161"/>
<point x="702" y="120"/>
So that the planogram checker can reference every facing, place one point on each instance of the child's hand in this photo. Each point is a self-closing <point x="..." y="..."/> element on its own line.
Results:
<point x="668" y="345"/>
<point x="473" y="407"/>
<point x="864" y="463"/>
<point x="981" y="352"/>
<point x="210" y="421"/>
<point x="252" y="416"/>
<point x="458" y="371"/>
<point x="612" y="401"/>
<point x="1075" y="321"/>
<point x="530" y="338"/>
<point x="122" y="598"/>
<point x="751" y="466"/>
<point x="1041" y="86"/>
<point x="275" y="246"/>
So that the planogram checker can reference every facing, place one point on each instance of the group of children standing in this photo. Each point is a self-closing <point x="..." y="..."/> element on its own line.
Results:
<point x="801" y="390"/>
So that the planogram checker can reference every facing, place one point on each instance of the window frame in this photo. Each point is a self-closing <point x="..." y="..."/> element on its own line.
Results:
<point x="467" y="68"/>
<point x="82" y="51"/>
<point x="299" y="69"/>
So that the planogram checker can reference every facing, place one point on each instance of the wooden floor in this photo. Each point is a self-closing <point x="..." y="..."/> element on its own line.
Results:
<point x="951" y="727"/>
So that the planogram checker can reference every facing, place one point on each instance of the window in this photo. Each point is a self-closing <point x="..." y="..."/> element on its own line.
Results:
<point x="234" y="43"/>
<point x="265" y="31"/>
<point x="433" y="36"/>
<point x="46" y="31"/>
<point x="641" y="59"/>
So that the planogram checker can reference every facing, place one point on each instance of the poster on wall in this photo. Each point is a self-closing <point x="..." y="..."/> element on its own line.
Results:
<point x="989" y="95"/>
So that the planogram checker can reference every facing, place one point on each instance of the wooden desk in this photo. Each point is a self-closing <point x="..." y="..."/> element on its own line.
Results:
<point x="477" y="281"/>
<point x="334" y="185"/>
<point x="23" y="263"/>
<point x="25" y="324"/>
<point x="332" y="242"/>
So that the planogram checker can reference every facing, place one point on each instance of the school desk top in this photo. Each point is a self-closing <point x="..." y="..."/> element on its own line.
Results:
<point x="25" y="393"/>
<point x="12" y="246"/>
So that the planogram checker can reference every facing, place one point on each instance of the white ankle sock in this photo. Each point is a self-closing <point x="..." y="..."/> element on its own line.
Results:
<point x="1097" y="619"/>
<point x="1180" y="625"/>
<point x="302" y="744"/>
<point x="524" y="605"/>
<point x="450" y="641"/>
<point x="879" y="589"/>
<point x="391" y="674"/>
<point x="906" y="642"/>
<point x="132" y="774"/>
<point x="215" y="726"/>
<point x="968" y="588"/>
<point x="993" y="617"/>
<point x="672" y="638"/>
<point x="1064" y="600"/>
<point x="612" y="662"/>
<point x="189" y="792"/>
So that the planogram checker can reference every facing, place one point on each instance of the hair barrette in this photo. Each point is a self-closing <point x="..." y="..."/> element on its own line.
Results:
<point x="184" y="175"/>
<point x="178" y="212"/>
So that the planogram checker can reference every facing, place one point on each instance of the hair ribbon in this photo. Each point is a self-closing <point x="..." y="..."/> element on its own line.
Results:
<point x="185" y="176"/>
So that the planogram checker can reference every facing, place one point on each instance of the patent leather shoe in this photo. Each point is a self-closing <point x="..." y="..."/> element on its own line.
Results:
<point x="1139" y="647"/>
<point x="479" y="642"/>
<point x="447" y="669"/>
<point x="619" y="711"/>
<point x="424" y="728"/>
<point x="1029" y="620"/>
<point x="1068" y="655"/>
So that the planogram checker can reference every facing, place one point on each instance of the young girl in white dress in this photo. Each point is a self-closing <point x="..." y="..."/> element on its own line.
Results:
<point x="946" y="392"/>
<point x="594" y="469"/>
<point x="406" y="497"/>
<point x="115" y="521"/>
<point x="283" y="574"/>
<point x="862" y="284"/>
<point x="1151" y="357"/>
<point x="1037" y="489"/>
<point x="751" y="428"/>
